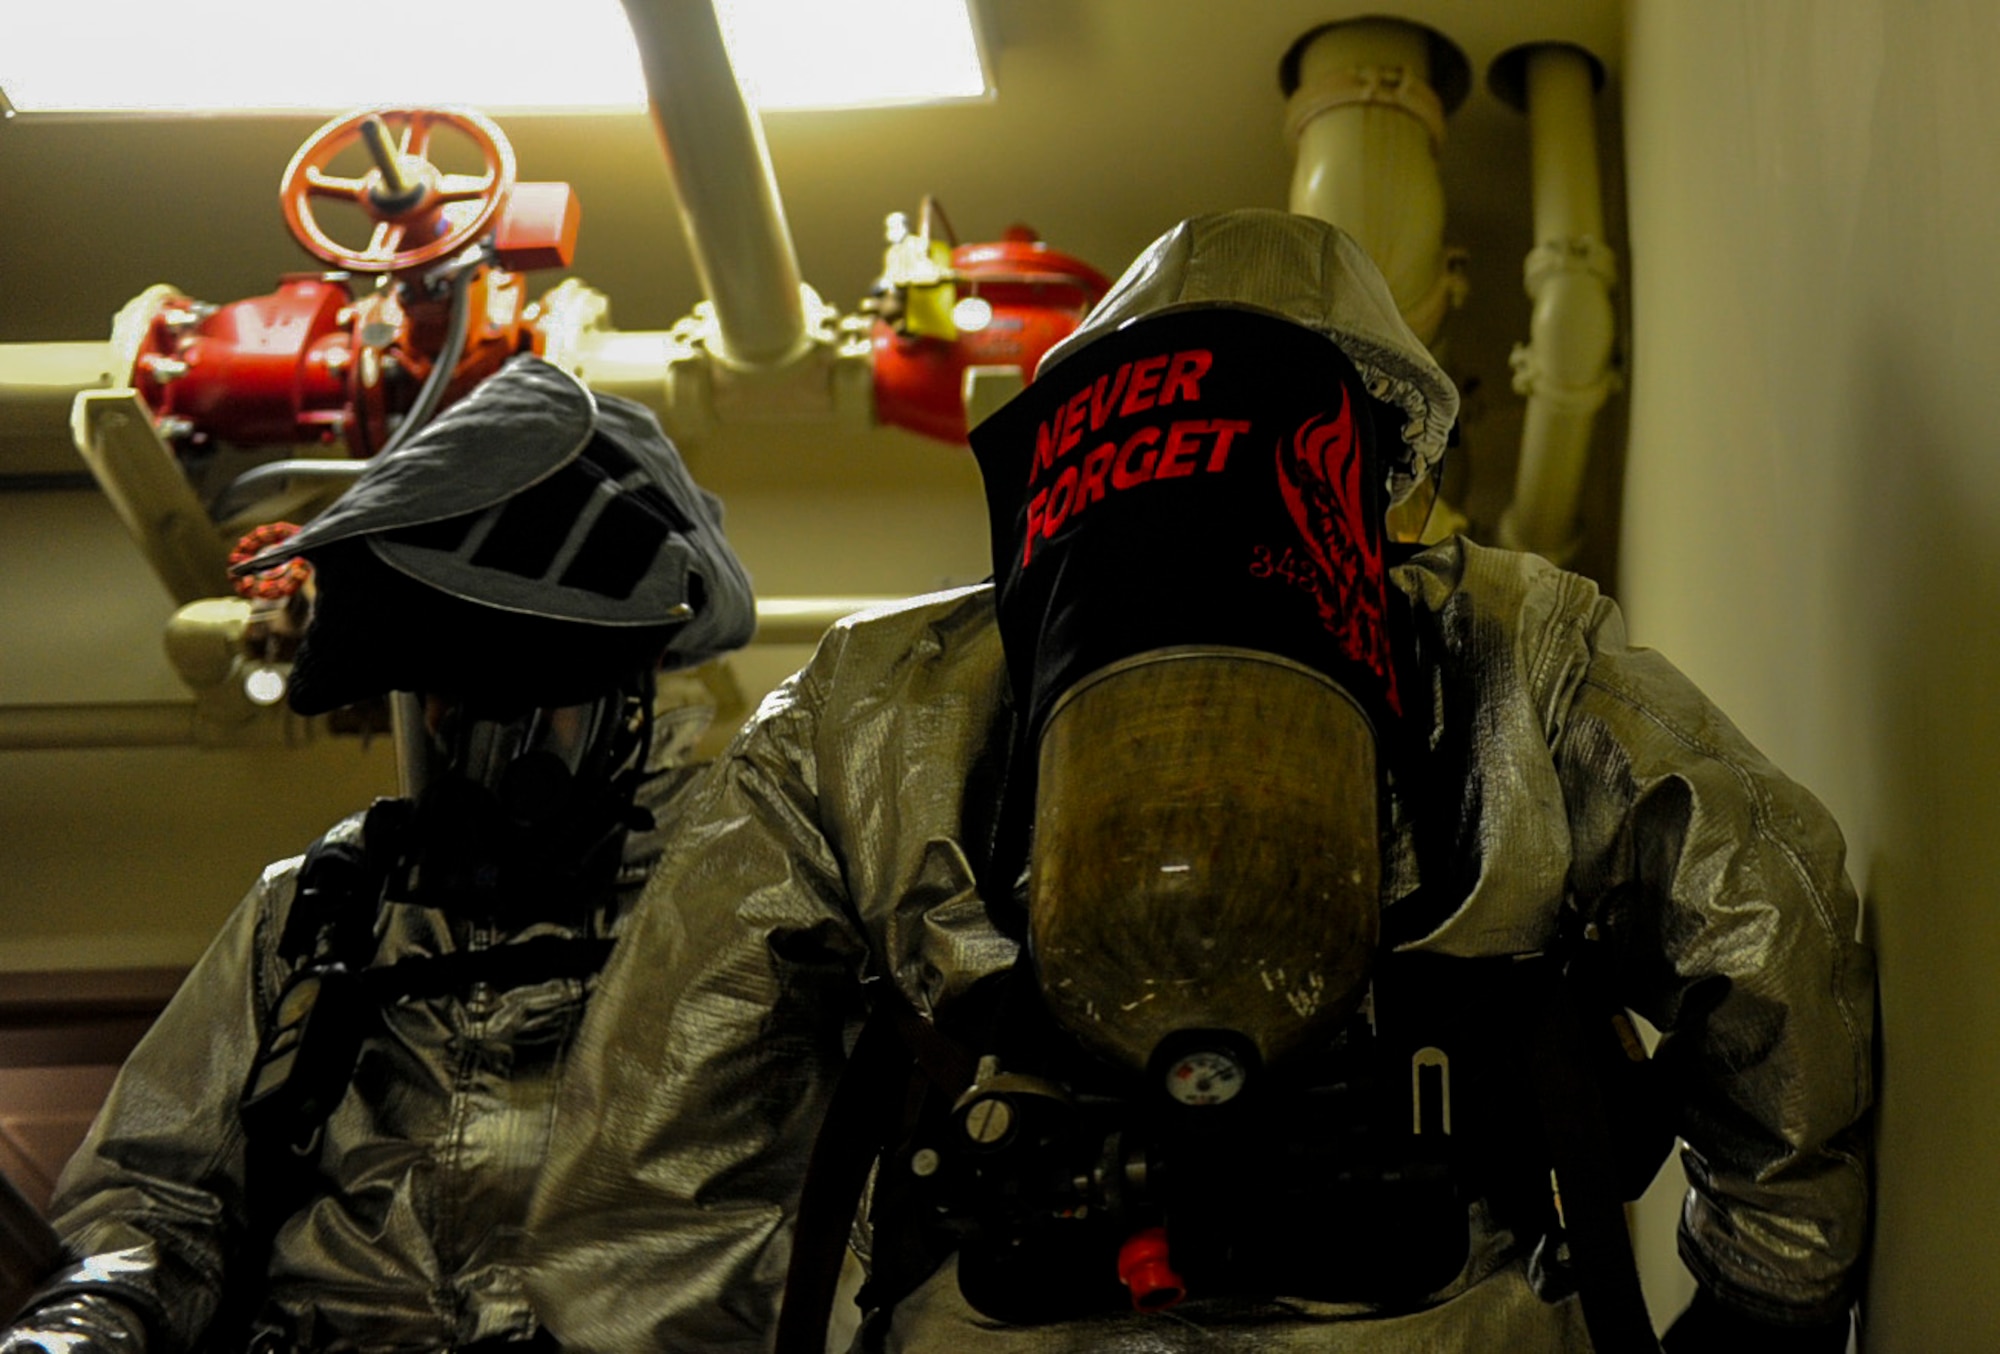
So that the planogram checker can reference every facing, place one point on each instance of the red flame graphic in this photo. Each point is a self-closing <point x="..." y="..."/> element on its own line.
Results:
<point x="1319" y="476"/>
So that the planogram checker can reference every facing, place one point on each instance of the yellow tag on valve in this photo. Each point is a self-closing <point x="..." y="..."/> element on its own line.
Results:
<point x="927" y="306"/>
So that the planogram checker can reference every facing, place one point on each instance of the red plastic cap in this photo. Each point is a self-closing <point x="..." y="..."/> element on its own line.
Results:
<point x="538" y="227"/>
<point x="1144" y="1270"/>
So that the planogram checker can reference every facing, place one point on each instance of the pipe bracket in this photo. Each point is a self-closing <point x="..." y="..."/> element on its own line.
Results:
<point x="701" y="330"/>
<point x="1552" y="258"/>
<point x="1384" y="86"/>
<point x="1532" y="378"/>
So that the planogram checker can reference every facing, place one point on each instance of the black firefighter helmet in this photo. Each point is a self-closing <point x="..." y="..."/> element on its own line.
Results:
<point x="532" y="547"/>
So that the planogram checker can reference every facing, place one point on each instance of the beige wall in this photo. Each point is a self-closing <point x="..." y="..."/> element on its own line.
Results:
<point x="1811" y="503"/>
<point x="117" y="857"/>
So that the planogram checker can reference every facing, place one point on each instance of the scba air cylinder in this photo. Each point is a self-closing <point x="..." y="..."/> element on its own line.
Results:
<point x="1192" y="871"/>
<point x="1193" y="599"/>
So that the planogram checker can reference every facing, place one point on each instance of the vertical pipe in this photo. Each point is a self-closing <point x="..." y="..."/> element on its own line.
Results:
<point x="1562" y="144"/>
<point x="1367" y="119"/>
<point x="412" y="742"/>
<point x="721" y="170"/>
<point x="1564" y="369"/>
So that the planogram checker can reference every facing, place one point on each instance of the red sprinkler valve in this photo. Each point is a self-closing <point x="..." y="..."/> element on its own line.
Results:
<point x="316" y="363"/>
<point x="1023" y="299"/>
<point x="1143" y="1268"/>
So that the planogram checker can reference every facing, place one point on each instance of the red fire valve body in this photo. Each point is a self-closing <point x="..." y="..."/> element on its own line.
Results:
<point x="310" y="364"/>
<point x="1037" y="297"/>
<point x="267" y="369"/>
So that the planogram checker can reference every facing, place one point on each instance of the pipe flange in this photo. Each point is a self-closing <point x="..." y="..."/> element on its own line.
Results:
<point x="1450" y="72"/>
<point x="1384" y="86"/>
<point x="1581" y="254"/>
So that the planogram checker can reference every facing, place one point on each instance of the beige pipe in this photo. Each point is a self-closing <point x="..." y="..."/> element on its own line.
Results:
<point x="134" y="724"/>
<point x="1564" y="369"/>
<point x="1562" y="143"/>
<point x="38" y="384"/>
<point x="201" y="641"/>
<point x="721" y="170"/>
<point x="802" y="620"/>
<point x="1367" y="119"/>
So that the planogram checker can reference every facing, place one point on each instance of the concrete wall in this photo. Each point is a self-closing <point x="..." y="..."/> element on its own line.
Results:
<point x="1810" y="513"/>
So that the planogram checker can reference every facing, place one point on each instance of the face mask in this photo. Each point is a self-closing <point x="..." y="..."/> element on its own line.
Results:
<point x="516" y="809"/>
<point x="528" y="763"/>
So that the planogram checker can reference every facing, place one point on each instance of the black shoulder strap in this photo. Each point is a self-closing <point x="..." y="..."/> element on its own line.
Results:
<point x="895" y="1045"/>
<point x="312" y="1036"/>
<point x="308" y="1048"/>
<point x="338" y="896"/>
<point x="1578" y="1134"/>
<point x="849" y="1139"/>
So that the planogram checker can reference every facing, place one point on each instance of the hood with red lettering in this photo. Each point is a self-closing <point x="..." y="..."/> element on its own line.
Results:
<point x="1209" y="476"/>
<point x="1206" y="658"/>
<point x="1300" y="269"/>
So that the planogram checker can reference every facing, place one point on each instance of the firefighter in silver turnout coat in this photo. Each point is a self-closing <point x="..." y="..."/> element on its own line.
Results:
<point x="407" y="1233"/>
<point x="832" y="850"/>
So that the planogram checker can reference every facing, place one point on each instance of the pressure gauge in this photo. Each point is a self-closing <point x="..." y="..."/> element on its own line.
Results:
<point x="1204" y="1077"/>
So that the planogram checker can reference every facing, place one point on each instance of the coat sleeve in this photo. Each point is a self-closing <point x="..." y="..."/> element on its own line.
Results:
<point x="151" y="1205"/>
<point x="1719" y="885"/>
<point x="705" y="1063"/>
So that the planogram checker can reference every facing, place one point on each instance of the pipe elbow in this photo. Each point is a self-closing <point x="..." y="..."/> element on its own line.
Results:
<point x="1365" y="111"/>
<point x="1573" y="328"/>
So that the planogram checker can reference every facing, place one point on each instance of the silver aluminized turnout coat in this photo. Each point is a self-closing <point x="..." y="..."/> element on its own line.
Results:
<point x="831" y="848"/>
<point x="411" y="1239"/>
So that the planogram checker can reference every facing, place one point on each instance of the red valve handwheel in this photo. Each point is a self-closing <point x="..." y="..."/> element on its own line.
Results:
<point x="419" y="214"/>
<point x="280" y="580"/>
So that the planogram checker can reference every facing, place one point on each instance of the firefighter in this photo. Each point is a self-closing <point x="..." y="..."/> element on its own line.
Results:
<point x="329" y="1138"/>
<point x="1210" y="933"/>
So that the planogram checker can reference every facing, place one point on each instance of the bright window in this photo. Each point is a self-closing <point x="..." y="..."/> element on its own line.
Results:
<point x="496" y="55"/>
